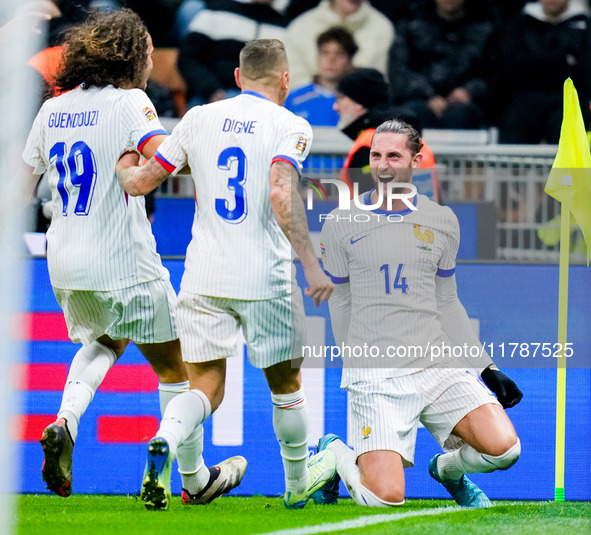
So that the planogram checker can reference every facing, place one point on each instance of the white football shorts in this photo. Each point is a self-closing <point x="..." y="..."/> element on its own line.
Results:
<point x="274" y="329"/>
<point x="385" y="414"/>
<point x="144" y="313"/>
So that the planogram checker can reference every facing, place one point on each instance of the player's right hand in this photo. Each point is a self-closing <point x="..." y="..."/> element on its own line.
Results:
<point x="129" y="158"/>
<point x="505" y="389"/>
<point x="320" y="287"/>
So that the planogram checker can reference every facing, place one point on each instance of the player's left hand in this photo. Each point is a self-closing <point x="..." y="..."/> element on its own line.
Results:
<point x="505" y="389"/>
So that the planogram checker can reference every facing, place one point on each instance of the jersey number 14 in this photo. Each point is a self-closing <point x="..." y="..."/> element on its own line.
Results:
<point x="399" y="280"/>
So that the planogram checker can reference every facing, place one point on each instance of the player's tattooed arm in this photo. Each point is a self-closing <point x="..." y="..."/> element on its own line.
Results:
<point x="289" y="210"/>
<point x="281" y="182"/>
<point x="137" y="180"/>
<point x="290" y="213"/>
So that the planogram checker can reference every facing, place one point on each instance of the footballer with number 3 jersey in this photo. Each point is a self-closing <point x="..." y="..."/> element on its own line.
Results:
<point x="245" y="155"/>
<point x="392" y="258"/>
<point x="230" y="146"/>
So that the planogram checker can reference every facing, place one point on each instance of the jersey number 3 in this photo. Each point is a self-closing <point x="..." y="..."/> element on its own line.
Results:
<point x="399" y="281"/>
<point x="229" y="158"/>
<point x="80" y="167"/>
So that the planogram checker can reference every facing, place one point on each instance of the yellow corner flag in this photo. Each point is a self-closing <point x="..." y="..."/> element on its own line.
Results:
<point x="573" y="159"/>
<point x="569" y="183"/>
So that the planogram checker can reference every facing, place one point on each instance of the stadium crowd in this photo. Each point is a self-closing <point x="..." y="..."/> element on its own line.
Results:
<point x="454" y="64"/>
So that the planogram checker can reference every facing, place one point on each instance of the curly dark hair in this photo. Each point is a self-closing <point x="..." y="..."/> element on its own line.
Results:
<point x="109" y="48"/>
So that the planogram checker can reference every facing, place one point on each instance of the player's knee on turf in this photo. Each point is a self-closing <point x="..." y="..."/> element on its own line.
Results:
<point x="507" y="459"/>
<point x="389" y="497"/>
<point x="388" y="493"/>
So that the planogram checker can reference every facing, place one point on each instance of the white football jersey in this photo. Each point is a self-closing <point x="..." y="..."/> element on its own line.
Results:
<point x="237" y="249"/>
<point x="391" y="260"/>
<point x="100" y="238"/>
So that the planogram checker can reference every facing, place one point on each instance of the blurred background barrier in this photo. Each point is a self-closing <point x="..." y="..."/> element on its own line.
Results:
<point x="508" y="304"/>
<point x="513" y="217"/>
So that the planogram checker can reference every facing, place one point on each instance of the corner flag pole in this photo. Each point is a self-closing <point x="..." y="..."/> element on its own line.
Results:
<point x="565" y="180"/>
<point x="569" y="182"/>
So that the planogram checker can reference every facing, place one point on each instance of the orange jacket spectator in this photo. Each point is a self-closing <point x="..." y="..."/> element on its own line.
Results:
<point x="47" y="62"/>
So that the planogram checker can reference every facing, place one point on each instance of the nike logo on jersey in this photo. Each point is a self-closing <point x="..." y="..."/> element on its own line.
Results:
<point x="353" y="242"/>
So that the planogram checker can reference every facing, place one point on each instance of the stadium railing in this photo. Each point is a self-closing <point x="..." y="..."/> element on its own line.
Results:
<point x="471" y="167"/>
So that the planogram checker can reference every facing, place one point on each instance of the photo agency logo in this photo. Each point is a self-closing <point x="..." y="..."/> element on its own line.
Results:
<point x="404" y="191"/>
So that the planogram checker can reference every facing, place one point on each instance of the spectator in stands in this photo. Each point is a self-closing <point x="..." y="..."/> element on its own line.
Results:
<point x="362" y="103"/>
<point x="185" y="14"/>
<point x="436" y="64"/>
<point x="178" y="14"/>
<point x="509" y="8"/>
<point x="159" y="17"/>
<point x="315" y="102"/>
<point x="372" y="31"/>
<point x="531" y="57"/>
<point x="397" y="10"/>
<point x="209" y="53"/>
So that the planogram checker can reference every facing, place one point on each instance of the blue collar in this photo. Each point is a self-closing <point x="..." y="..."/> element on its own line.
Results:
<point x="406" y="211"/>
<point x="254" y="94"/>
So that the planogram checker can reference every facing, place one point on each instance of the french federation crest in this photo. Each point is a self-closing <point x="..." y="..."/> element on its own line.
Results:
<point x="425" y="237"/>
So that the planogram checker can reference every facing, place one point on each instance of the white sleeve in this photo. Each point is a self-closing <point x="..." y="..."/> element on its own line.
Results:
<point x="139" y="119"/>
<point x="339" y="305"/>
<point x="33" y="154"/>
<point x="336" y="266"/>
<point x="456" y="323"/>
<point x="447" y="263"/>
<point x="295" y="142"/>
<point x="172" y="153"/>
<point x="335" y="260"/>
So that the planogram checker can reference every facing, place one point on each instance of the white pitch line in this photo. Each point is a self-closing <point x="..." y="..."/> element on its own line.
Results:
<point x="363" y="521"/>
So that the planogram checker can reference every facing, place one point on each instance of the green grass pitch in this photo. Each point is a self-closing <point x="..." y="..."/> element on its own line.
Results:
<point x="44" y="514"/>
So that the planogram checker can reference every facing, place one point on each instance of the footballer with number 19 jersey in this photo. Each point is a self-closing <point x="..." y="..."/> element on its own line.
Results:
<point x="99" y="239"/>
<point x="104" y="269"/>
